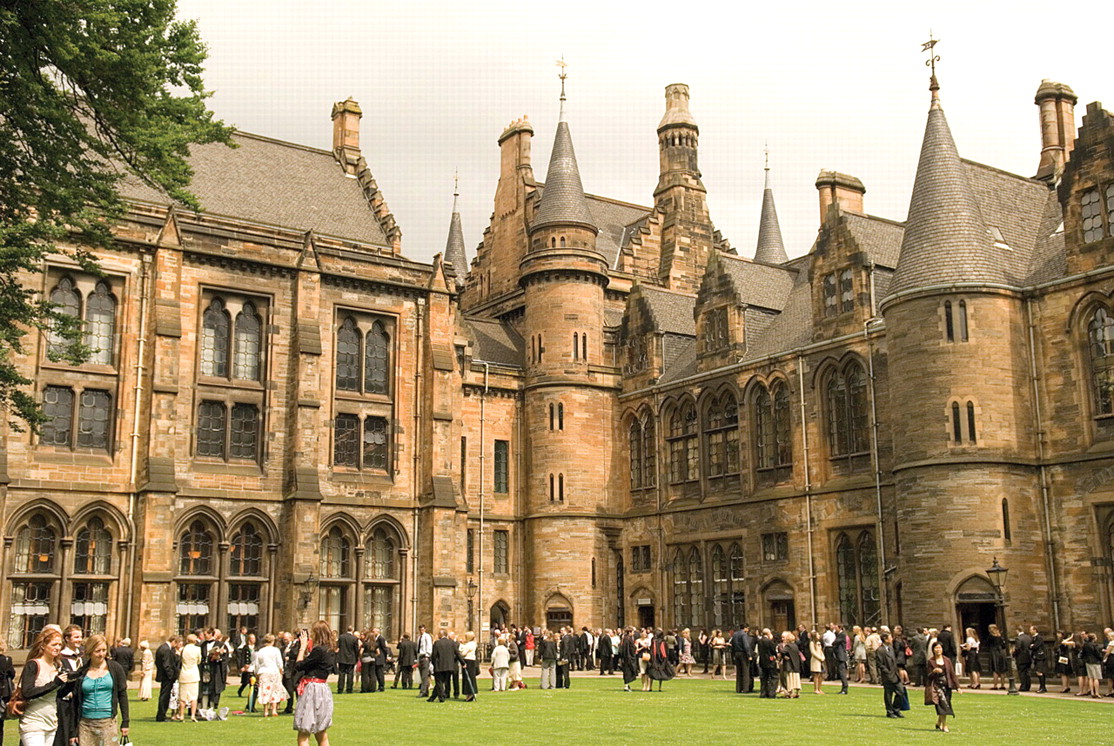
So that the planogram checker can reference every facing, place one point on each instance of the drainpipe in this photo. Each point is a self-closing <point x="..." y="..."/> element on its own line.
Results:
<point x="877" y="467"/>
<point x="414" y="478"/>
<point x="480" y="566"/>
<point x="133" y="499"/>
<point x="808" y="489"/>
<point x="1049" y="544"/>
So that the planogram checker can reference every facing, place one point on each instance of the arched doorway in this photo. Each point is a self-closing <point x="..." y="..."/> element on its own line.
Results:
<point x="558" y="612"/>
<point x="643" y="601"/>
<point x="781" y="611"/>
<point x="500" y="612"/>
<point x="976" y="605"/>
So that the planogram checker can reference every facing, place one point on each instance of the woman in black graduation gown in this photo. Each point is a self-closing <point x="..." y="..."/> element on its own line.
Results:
<point x="628" y="658"/>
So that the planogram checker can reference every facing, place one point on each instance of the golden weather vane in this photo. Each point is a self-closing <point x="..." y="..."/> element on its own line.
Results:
<point x="930" y="47"/>
<point x="562" y="75"/>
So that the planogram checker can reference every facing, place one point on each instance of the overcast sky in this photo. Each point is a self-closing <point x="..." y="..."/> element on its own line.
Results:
<point x="825" y="86"/>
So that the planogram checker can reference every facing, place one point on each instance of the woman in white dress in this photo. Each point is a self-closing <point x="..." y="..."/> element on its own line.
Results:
<point x="189" y="679"/>
<point x="267" y="667"/>
<point x="147" y="667"/>
<point x="41" y="676"/>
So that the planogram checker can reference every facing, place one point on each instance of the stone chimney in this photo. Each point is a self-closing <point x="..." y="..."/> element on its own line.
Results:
<point x="514" y="151"/>
<point x="841" y="189"/>
<point x="1057" y="112"/>
<point x="346" y="134"/>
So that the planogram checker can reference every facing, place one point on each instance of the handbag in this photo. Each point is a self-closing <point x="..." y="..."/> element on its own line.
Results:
<point x="1062" y="660"/>
<point x="646" y="656"/>
<point x="17" y="704"/>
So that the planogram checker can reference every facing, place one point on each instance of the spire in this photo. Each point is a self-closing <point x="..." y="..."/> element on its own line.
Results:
<point x="454" y="247"/>
<point x="946" y="240"/>
<point x="562" y="200"/>
<point x="770" y="249"/>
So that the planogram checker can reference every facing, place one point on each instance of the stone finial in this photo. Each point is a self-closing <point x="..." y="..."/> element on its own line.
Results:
<point x="677" y="106"/>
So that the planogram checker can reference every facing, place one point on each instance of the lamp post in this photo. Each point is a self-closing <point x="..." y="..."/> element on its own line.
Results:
<point x="470" y="591"/>
<point x="997" y="575"/>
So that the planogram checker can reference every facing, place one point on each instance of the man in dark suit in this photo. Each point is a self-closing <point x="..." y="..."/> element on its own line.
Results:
<point x="742" y="650"/>
<point x="124" y="655"/>
<point x="1039" y="655"/>
<point x="348" y="652"/>
<point x="886" y="662"/>
<point x="407" y="658"/>
<point x="167" y="666"/>
<point x="1023" y="654"/>
<point x="839" y="652"/>
<point x="919" y="645"/>
<point x="567" y="650"/>
<point x="445" y="659"/>
<point x="947" y="641"/>
<point x="767" y="664"/>
<point x="605" y="653"/>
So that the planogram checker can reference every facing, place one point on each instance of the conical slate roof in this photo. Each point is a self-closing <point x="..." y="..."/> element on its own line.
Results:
<point x="770" y="249"/>
<point x="563" y="201"/>
<point x="454" y="246"/>
<point x="946" y="240"/>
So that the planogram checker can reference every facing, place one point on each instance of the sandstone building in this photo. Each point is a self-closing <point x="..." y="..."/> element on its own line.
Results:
<point x="606" y="416"/>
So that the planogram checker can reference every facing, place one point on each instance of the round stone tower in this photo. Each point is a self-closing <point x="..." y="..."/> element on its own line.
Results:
<point x="568" y="402"/>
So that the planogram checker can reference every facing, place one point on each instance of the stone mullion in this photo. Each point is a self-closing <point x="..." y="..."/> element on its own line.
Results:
<point x="357" y="620"/>
<point x="221" y="615"/>
<point x="402" y="620"/>
<point x="65" y="593"/>
<point x="272" y="568"/>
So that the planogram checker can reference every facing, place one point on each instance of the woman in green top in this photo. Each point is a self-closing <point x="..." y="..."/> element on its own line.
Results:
<point x="100" y="691"/>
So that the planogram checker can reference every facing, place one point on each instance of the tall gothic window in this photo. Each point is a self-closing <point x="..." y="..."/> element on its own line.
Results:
<point x="680" y="588"/>
<point x="195" y="550"/>
<point x="248" y="344"/>
<point x="1101" y="337"/>
<point x="197" y="571"/>
<point x="634" y="449"/>
<point x="383" y="572"/>
<point x="846" y="399"/>
<point x="857" y="570"/>
<point x="34" y="580"/>
<point x="696" y="587"/>
<point x="377" y="347"/>
<point x="335" y="551"/>
<point x="100" y="324"/>
<point x="721" y="436"/>
<point x="721" y="595"/>
<point x="361" y="443"/>
<point x="35" y="546"/>
<point x="66" y="300"/>
<point x="94" y="418"/>
<point x="214" y="340"/>
<point x="738" y="594"/>
<point x="246" y="555"/>
<point x="93" y="549"/>
<point x="684" y="449"/>
<point x="348" y="356"/>
<point x="773" y="444"/>
<point x="337" y="576"/>
<point x="649" y="453"/>
<point x="363" y="357"/>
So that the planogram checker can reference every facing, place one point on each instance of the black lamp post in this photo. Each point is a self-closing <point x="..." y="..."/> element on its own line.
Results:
<point x="309" y="587"/>
<point x="997" y="575"/>
<point x="470" y="591"/>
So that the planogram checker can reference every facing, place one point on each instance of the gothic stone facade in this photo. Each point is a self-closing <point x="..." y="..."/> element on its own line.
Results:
<point x="608" y="417"/>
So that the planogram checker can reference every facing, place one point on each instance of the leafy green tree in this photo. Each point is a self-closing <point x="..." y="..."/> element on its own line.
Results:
<point x="90" y="90"/>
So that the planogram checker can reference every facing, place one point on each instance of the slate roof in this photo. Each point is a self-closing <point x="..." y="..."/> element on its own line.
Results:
<point x="454" y="246"/>
<point x="770" y="248"/>
<point x="275" y="183"/>
<point x="946" y="238"/>
<point x="1048" y="261"/>
<point x="678" y="358"/>
<point x="563" y="201"/>
<point x="617" y="222"/>
<point x="792" y="327"/>
<point x="758" y="284"/>
<point x="672" y="312"/>
<point x="879" y="238"/>
<point x="495" y="342"/>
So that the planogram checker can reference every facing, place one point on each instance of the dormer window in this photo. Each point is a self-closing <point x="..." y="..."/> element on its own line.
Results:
<point x="846" y="291"/>
<point x="1091" y="215"/>
<point x="717" y="334"/>
<point x="830" y="301"/>
<point x="997" y="237"/>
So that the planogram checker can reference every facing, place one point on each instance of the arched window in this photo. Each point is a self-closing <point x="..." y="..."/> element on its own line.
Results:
<point x="248" y="344"/>
<point x="680" y="588"/>
<point x="1101" y="337"/>
<point x="649" y="453"/>
<point x="195" y="561"/>
<point x="245" y="592"/>
<point x="214" y="340"/>
<point x="721" y="436"/>
<point x="246" y="552"/>
<point x="1007" y="530"/>
<point x="35" y="546"/>
<point x="100" y="324"/>
<point x="738" y="594"/>
<point x="383" y="571"/>
<point x="858" y="574"/>
<point x="971" y="437"/>
<point x="195" y="550"/>
<point x="67" y="301"/>
<point x="773" y="446"/>
<point x="348" y="356"/>
<point x="33" y="598"/>
<point x="634" y="446"/>
<point x="696" y="587"/>
<point x="93" y="549"/>
<point x="335" y="551"/>
<point x="846" y="399"/>
<point x="378" y="356"/>
<point x="721" y="588"/>
<point x="684" y="450"/>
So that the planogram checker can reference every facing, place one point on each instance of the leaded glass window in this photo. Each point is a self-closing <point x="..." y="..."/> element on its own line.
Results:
<point x="868" y="578"/>
<point x="66" y="301"/>
<point x="248" y="344"/>
<point x="346" y="440"/>
<point x="680" y="588"/>
<point x="195" y="550"/>
<point x="721" y="588"/>
<point x="375" y="443"/>
<point x="782" y="434"/>
<point x="696" y="587"/>
<point x="846" y="567"/>
<point x="1091" y="215"/>
<point x="89" y="607"/>
<point x="93" y="419"/>
<point x="501" y="466"/>
<point x="335" y="550"/>
<point x="210" y="429"/>
<point x="348" y="356"/>
<point x="214" y="340"/>
<point x="35" y="546"/>
<point x="377" y="354"/>
<point x="846" y="394"/>
<point x="244" y="436"/>
<point x="649" y="454"/>
<point x="100" y="324"/>
<point x="30" y="612"/>
<point x="93" y="549"/>
<point x="246" y="552"/>
<point x="634" y="446"/>
<point x="381" y="553"/>
<point x="501" y="551"/>
<point x="846" y="290"/>
<point x="58" y="409"/>
<point x="831" y="301"/>
<point x="1101" y="345"/>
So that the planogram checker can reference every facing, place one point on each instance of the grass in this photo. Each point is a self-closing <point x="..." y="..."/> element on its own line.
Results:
<point x="596" y="710"/>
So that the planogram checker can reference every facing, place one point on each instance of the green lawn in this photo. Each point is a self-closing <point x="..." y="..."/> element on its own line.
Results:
<point x="598" y="711"/>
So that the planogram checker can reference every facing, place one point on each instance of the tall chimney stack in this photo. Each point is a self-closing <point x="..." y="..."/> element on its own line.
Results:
<point x="841" y="189"/>
<point x="346" y="134"/>
<point x="1057" y="112"/>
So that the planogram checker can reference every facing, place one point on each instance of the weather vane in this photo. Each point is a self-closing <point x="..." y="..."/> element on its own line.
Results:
<point x="930" y="47"/>
<point x="562" y="75"/>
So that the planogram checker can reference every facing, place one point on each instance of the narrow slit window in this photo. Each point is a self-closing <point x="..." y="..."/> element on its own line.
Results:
<point x="551" y="493"/>
<point x="962" y="321"/>
<point x="971" y="422"/>
<point x="575" y="346"/>
<point x="949" y="322"/>
<point x="561" y="488"/>
<point x="957" y="428"/>
<point x="1007" y="532"/>
<point x="560" y="415"/>
<point x="584" y="347"/>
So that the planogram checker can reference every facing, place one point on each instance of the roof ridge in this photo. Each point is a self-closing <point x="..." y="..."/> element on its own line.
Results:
<point x="602" y="198"/>
<point x="1004" y="172"/>
<point x="285" y="143"/>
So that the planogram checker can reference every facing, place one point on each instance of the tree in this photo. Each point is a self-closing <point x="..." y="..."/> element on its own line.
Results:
<point x="90" y="90"/>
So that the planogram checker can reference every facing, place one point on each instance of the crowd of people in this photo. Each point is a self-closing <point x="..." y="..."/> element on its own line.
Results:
<point x="73" y="689"/>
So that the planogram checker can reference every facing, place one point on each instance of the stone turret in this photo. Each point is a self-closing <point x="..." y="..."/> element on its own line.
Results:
<point x="454" y="245"/>
<point x="771" y="248"/>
